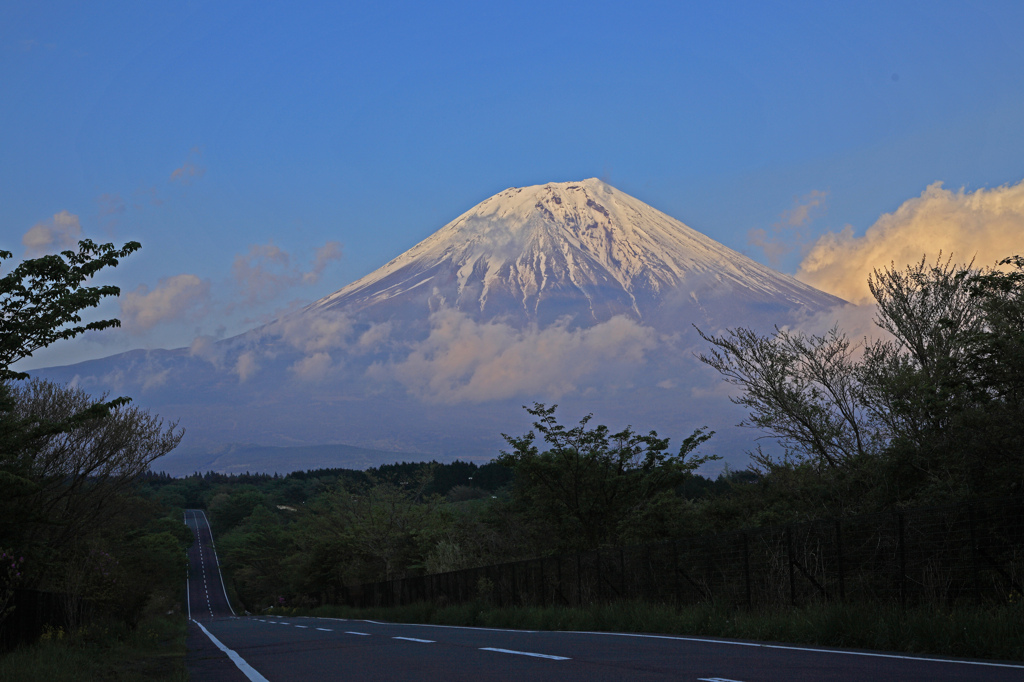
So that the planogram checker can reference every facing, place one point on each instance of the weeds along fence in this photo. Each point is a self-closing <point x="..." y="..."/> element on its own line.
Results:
<point x="963" y="553"/>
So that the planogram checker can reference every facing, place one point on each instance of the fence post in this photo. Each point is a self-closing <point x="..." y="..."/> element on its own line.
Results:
<point x="644" y="575"/>
<point x="789" y="557"/>
<point x="746" y="568"/>
<point x="675" y="572"/>
<point x="839" y="560"/>
<point x="543" y="593"/>
<point x="561" y="588"/>
<point x="622" y="573"/>
<point x="579" y="579"/>
<point x="974" y="552"/>
<point x="901" y="542"/>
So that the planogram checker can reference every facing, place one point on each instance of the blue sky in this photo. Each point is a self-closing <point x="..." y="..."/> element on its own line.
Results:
<point x="238" y="140"/>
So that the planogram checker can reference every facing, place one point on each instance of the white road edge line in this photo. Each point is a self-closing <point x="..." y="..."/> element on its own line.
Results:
<point x="413" y="639"/>
<point x="188" y="599"/>
<point x="921" y="659"/>
<point x="246" y="669"/>
<point x="525" y="653"/>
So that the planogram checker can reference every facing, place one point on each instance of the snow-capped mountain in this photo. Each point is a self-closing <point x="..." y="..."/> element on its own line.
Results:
<point x="542" y="251"/>
<point x="570" y="292"/>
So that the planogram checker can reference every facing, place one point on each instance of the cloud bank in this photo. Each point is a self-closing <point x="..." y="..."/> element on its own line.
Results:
<point x="986" y="226"/>
<point x="462" y="360"/>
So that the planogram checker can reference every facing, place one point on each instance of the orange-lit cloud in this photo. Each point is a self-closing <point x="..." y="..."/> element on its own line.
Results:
<point x="985" y="226"/>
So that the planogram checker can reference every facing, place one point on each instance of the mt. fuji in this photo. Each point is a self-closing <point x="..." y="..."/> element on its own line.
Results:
<point x="574" y="293"/>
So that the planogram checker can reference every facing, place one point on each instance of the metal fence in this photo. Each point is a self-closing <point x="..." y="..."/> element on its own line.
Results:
<point x="969" y="552"/>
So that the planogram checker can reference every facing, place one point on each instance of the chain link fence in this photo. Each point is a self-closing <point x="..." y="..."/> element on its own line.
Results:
<point x="969" y="552"/>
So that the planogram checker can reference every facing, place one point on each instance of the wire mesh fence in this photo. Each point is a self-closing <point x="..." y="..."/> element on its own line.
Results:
<point x="968" y="552"/>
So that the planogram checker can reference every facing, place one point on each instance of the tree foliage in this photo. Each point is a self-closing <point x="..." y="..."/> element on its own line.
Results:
<point x="589" y="480"/>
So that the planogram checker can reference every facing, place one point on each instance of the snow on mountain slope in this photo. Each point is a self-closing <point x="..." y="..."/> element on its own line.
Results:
<point x="567" y="242"/>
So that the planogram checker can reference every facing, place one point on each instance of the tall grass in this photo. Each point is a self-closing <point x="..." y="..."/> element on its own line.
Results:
<point x="155" y="650"/>
<point x="970" y="631"/>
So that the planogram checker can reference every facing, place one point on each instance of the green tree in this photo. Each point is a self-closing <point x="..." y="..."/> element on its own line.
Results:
<point x="42" y="299"/>
<point x="589" y="480"/>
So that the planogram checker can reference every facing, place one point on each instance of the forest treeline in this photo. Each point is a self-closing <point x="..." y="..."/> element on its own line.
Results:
<point x="929" y="412"/>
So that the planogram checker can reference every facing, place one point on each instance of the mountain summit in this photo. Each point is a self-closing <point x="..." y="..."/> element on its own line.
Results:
<point x="562" y="248"/>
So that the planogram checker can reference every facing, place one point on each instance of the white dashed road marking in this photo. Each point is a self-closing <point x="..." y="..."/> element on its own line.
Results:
<point x="526" y="653"/>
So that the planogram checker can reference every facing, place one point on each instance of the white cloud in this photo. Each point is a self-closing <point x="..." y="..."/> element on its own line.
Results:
<point x="787" y="234"/>
<point x="246" y="366"/>
<point x="110" y="204"/>
<point x="62" y="232"/>
<point x="191" y="170"/>
<point x="375" y="337"/>
<point x="262" y="272"/>
<point x="265" y="271"/>
<point x="856" y="321"/>
<point x="172" y="299"/>
<point x="463" y="360"/>
<point x="315" y="331"/>
<point x="323" y="256"/>
<point x="986" y="226"/>
<point x="206" y="347"/>
<point x="312" y="368"/>
<point x="156" y="379"/>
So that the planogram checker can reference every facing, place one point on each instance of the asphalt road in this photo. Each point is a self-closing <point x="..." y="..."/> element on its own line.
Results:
<point x="229" y="648"/>
<point x="207" y="598"/>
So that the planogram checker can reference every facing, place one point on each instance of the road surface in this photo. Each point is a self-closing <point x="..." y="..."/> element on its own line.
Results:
<point x="229" y="648"/>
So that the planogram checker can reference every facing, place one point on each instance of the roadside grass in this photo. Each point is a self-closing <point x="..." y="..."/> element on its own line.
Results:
<point x="993" y="632"/>
<point x="155" y="650"/>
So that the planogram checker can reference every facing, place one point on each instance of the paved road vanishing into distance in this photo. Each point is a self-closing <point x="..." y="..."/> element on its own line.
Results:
<point x="226" y="647"/>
